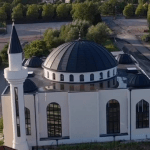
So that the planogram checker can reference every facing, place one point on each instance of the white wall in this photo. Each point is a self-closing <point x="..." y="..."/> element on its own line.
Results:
<point x="77" y="75"/>
<point x="136" y="96"/>
<point x="121" y="96"/>
<point x="83" y="115"/>
<point x="29" y="103"/>
<point x="46" y="98"/>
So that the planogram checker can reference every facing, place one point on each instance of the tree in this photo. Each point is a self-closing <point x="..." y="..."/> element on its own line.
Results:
<point x="32" y="12"/>
<point x="63" y="11"/>
<point x="128" y="10"/>
<point x="17" y="13"/>
<point x="4" y="54"/>
<point x="142" y="1"/>
<point x="7" y="8"/>
<point x="52" y="39"/>
<point x="85" y="11"/>
<point x="15" y="2"/>
<point x="36" y="48"/>
<point x="145" y="9"/>
<point x="82" y="25"/>
<point x="139" y="10"/>
<point x="98" y="33"/>
<point x="73" y="34"/>
<point x="48" y="11"/>
<point x="3" y="15"/>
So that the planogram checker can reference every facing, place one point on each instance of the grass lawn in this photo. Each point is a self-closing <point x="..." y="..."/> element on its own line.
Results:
<point x="108" y="146"/>
<point x="110" y="46"/>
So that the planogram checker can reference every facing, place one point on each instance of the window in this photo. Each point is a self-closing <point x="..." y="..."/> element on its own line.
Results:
<point x="113" y="117"/>
<point x="27" y="121"/>
<point x="62" y="87"/>
<point x="92" y="87"/>
<point x="71" y="88"/>
<point x="113" y="71"/>
<point x="47" y="74"/>
<point x="54" y="86"/>
<point x="81" y="77"/>
<point x="142" y="114"/>
<point x="113" y="81"/>
<point x="82" y="87"/>
<point x="17" y="111"/>
<point x="108" y="74"/>
<point x="54" y="120"/>
<point x="53" y="76"/>
<point x="91" y="77"/>
<point x="71" y="77"/>
<point x="61" y="77"/>
<point x="101" y="75"/>
<point x="101" y="85"/>
<point x="108" y="84"/>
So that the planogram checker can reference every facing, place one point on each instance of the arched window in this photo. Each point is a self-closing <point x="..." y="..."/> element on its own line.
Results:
<point x="27" y="121"/>
<point x="81" y="77"/>
<point x="54" y="120"/>
<point x="108" y="74"/>
<point x="91" y="77"/>
<point x="108" y="84"/>
<point x="71" y="77"/>
<point x="101" y="75"/>
<point x="61" y="77"/>
<point x="53" y="76"/>
<point x="113" y="71"/>
<point x="113" y="117"/>
<point x="142" y="114"/>
<point x="47" y="74"/>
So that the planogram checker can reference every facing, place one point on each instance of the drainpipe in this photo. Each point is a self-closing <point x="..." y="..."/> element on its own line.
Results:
<point x="130" y="89"/>
<point x="35" y="121"/>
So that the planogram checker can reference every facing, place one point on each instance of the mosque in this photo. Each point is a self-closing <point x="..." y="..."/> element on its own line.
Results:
<point x="80" y="93"/>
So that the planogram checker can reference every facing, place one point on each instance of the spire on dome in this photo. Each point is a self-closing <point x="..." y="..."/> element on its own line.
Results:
<point x="14" y="45"/>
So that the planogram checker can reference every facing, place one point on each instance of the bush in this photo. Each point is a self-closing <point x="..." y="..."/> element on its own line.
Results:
<point x="36" y="48"/>
<point x="4" y="54"/>
<point x="145" y="38"/>
<point x="98" y="33"/>
<point x="139" y="10"/>
<point x="128" y="11"/>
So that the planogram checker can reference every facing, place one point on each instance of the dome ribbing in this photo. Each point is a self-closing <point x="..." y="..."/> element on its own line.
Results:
<point x="138" y="81"/>
<point x="33" y="62"/>
<point x="29" y="86"/>
<point x="80" y="56"/>
<point x="124" y="59"/>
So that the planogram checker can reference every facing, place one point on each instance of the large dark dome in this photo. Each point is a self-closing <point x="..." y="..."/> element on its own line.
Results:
<point x="80" y="56"/>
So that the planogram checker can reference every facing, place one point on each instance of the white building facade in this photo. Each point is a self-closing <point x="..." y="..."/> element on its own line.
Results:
<point x="60" y="111"/>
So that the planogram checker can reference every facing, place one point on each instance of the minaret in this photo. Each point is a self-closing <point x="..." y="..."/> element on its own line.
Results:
<point x="15" y="74"/>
